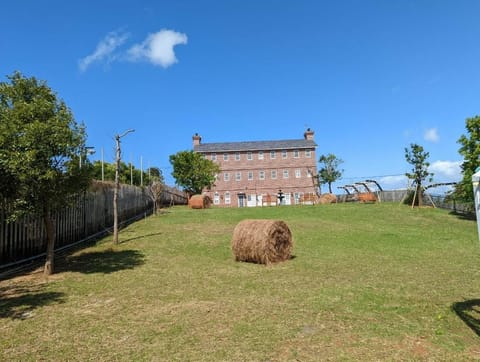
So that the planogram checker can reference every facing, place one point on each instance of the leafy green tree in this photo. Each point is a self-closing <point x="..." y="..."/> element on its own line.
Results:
<point x="417" y="157"/>
<point x="193" y="172"/>
<point x="41" y="147"/>
<point x="470" y="150"/>
<point x="330" y="171"/>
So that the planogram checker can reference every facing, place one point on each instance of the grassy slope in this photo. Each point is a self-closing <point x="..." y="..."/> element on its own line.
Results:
<point x="367" y="282"/>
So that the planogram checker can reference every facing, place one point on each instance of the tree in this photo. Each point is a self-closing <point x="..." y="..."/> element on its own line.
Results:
<point x="417" y="157"/>
<point x="193" y="172"/>
<point x="155" y="187"/>
<point x="330" y="172"/>
<point x="470" y="150"/>
<point x="41" y="146"/>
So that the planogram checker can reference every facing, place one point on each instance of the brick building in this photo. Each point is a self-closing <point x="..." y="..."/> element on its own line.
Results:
<point x="253" y="173"/>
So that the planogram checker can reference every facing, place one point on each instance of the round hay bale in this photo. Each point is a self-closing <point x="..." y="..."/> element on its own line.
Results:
<point x="327" y="199"/>
<point x="199" y="202"/>
<point x="262" y="241"/>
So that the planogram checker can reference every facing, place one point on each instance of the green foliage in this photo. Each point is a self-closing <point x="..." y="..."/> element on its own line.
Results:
<point x="470" y="150"/>
<point x="40" y="148"/>
<point x="128" y="173"/>
<point x="192" y="171"/>
<point x="330" y="172"/>
<point x="417" y="157"/>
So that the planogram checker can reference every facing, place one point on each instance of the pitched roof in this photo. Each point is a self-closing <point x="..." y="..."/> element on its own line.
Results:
<point x="254" y="145"/>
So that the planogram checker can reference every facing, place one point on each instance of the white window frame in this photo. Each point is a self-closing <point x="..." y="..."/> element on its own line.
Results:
<point x="273" y="174"/>
<point x="260" y="155"/>
<point x="273" y="154"/>
<point x="261" y="175"/>
<point x="298" y="173"/>
<point x="228" y="199"/>
<point x="284" y="154"/>
<point x="238" y="176"/>
<point x="285" y="173"/>
<point x="249" y="156"/>
<point x="296" y="154"/>
<point x="216" y="198"/>
<point x="237" y="156"/>
<point x="308" y="153"/>
<point x="214" y="156"/>
<point x="226" y="176"/>
<point x="225" y="156"/>
<point x="250" y="176"/>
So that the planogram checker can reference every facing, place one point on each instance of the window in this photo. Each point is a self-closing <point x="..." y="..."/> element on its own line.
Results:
<point x="225" y="156"/>
<point x="260" y="155"/>
<point x="238" y="176"/>
<point x="296" y="197"/>
<point x="249" y="156"/>
<point x="284" y="154"/>
<point x="272" y="155"/>
<point x="285" y="173"/>
<point x="308" y="153"/>
<point x="227" y="198"/>
<point x="216" y="198"/>
<point x="250" y="175"/>
<point x="226" y="176"/>
<point x="237" y="156"/>
<point x="296" y="154"/>
<point x="214" y="156"/>
<point x="309" y="173"/>
<point x="298" y="173"/>
<point x="261" y="175"/>
<point x="273" y="174"/>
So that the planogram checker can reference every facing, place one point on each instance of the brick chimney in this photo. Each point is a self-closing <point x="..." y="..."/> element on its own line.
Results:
<point x="196" y="139"/>
<point x="308" y="134"/>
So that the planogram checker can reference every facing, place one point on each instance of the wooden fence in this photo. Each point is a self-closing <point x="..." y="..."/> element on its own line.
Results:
<point x="91" y="214"/>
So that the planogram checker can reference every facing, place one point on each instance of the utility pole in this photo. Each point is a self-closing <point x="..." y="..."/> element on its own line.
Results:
<point x="117" y="184"/>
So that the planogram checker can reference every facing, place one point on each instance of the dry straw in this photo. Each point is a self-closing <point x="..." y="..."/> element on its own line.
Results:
<point x="262" y="241"/>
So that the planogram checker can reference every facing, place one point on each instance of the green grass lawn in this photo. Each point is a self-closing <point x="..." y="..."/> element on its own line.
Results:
<point x="368" y="282"/>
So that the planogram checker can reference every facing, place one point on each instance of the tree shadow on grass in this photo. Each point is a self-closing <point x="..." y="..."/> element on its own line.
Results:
<point x="470" y="216"/>
<point x="140" y="237"/>
<point x="19" y="302"/>
<point x="106" y="262"/>
<point x="469" y="312"/>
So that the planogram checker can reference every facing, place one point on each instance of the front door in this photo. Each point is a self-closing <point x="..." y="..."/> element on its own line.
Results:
<point x="242" y="198"/>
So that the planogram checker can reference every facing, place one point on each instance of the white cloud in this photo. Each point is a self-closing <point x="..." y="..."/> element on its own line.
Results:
<point x="393" y="182"/>
<point x="157" y="48"/>
<point x="104" y="50"/>
<point x="446" y="170"/>
<point x="431" y="135"/>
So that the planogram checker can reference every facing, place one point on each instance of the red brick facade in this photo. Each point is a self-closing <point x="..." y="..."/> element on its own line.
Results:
<point x="253" y="173"/>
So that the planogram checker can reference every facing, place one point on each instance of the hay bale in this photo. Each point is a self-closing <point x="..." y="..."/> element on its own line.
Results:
<point x="262" y="241"/>
<point x="327" y="199"/>
<point x="199" y="202"/>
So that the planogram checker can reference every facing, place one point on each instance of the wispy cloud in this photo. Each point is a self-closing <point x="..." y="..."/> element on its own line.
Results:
<point x="431" y="135"/>
<point x="104" y="51"/>
<point x="157" y="48"/>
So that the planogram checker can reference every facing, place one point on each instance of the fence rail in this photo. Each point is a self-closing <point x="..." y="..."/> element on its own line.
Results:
<point x="439" y="200"/>
<point x="91" y="213"/>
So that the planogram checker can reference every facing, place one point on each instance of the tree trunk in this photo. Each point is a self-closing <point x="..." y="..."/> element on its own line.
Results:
<point x="420" y="195"/>
<point x="330" y="187"/>
<point x="49" y="262"/>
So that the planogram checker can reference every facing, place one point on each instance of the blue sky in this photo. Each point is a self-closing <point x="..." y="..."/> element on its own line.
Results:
<point x="369" y="77"/>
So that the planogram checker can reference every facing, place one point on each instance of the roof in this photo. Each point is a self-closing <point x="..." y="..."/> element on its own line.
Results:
<point x="255" y="146"/>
